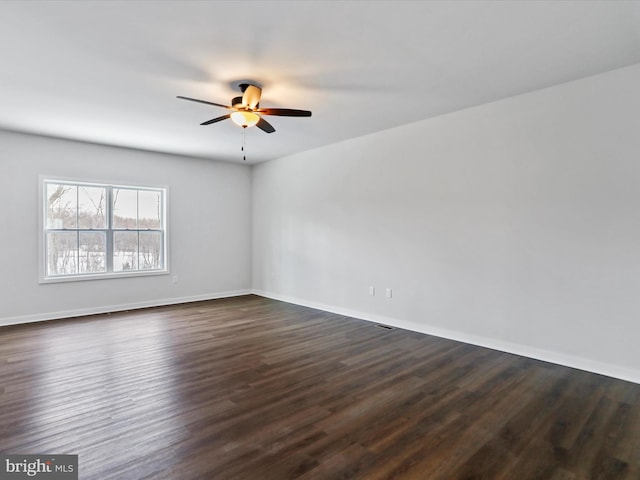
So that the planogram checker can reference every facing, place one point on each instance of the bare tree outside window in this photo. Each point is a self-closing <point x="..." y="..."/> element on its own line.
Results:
<point x="76" y="224"/>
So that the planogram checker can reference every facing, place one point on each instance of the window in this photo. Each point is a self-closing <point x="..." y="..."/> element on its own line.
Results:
<point x="94" y="230"/>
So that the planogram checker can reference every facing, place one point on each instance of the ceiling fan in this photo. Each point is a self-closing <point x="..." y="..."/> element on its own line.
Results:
<point x="247" y="112"/>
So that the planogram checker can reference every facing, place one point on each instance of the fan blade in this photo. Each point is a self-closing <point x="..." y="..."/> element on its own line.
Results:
<point x="265" y="126"/>
<point x="251" y="96"/>
<point x="284" y="112"/>
<point x="203" y="101"/>
<point x="214" y="120"/>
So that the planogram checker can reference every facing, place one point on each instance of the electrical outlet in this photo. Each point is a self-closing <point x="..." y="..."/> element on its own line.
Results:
<point x="372" y="291"/>
<point x="389" y="293"/>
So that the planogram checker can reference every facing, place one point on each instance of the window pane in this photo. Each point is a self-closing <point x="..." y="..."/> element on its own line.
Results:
<point x="125" y="251"/>
<point x="91" y="207"/>
<point x="61" y="205"/>
<point x="62" y="252"/>
<point x="150" y="250"/>
<point x="149" y="209"/>
<point x="125" y="208"/>
<point x="92" y="252"/>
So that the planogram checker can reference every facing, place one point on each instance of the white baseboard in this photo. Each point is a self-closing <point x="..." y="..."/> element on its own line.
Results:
<point x="40" y="317"/>
<point x="580" y="363"/>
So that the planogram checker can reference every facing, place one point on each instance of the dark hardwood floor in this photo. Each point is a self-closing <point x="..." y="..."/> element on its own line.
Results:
<point x="251" y="388"/>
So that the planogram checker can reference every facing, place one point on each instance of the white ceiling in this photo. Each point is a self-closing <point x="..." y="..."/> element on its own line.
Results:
<point x="108" y="72"/>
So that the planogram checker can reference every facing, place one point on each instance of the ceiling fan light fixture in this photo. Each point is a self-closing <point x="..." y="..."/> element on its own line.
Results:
<point x="246" y="111"/>
<point x="245" y="119"/>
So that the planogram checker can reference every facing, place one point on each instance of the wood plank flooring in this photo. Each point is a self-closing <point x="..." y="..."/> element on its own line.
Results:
<point x="251" y="388"/>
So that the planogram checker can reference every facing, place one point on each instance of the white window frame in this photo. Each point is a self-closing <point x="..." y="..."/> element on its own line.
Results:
<point x="43" y="228"/>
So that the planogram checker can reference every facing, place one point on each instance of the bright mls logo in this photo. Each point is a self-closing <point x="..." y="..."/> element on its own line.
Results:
<point x="49" y="467"/>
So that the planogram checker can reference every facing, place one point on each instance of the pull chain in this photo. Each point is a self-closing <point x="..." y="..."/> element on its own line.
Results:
<point x="244" y="156"/>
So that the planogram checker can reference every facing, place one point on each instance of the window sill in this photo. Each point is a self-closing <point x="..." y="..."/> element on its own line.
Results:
<point x="102" y="276"/>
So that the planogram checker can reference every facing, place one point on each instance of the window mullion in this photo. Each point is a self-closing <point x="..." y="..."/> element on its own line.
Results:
<point x="109" y="239"/>
<point x="77" y="229"/>
<point x="138" y="229"/>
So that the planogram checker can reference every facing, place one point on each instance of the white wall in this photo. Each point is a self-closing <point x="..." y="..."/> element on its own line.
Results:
<point x="209" y="221"/>
<point x="513" y="225"/>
